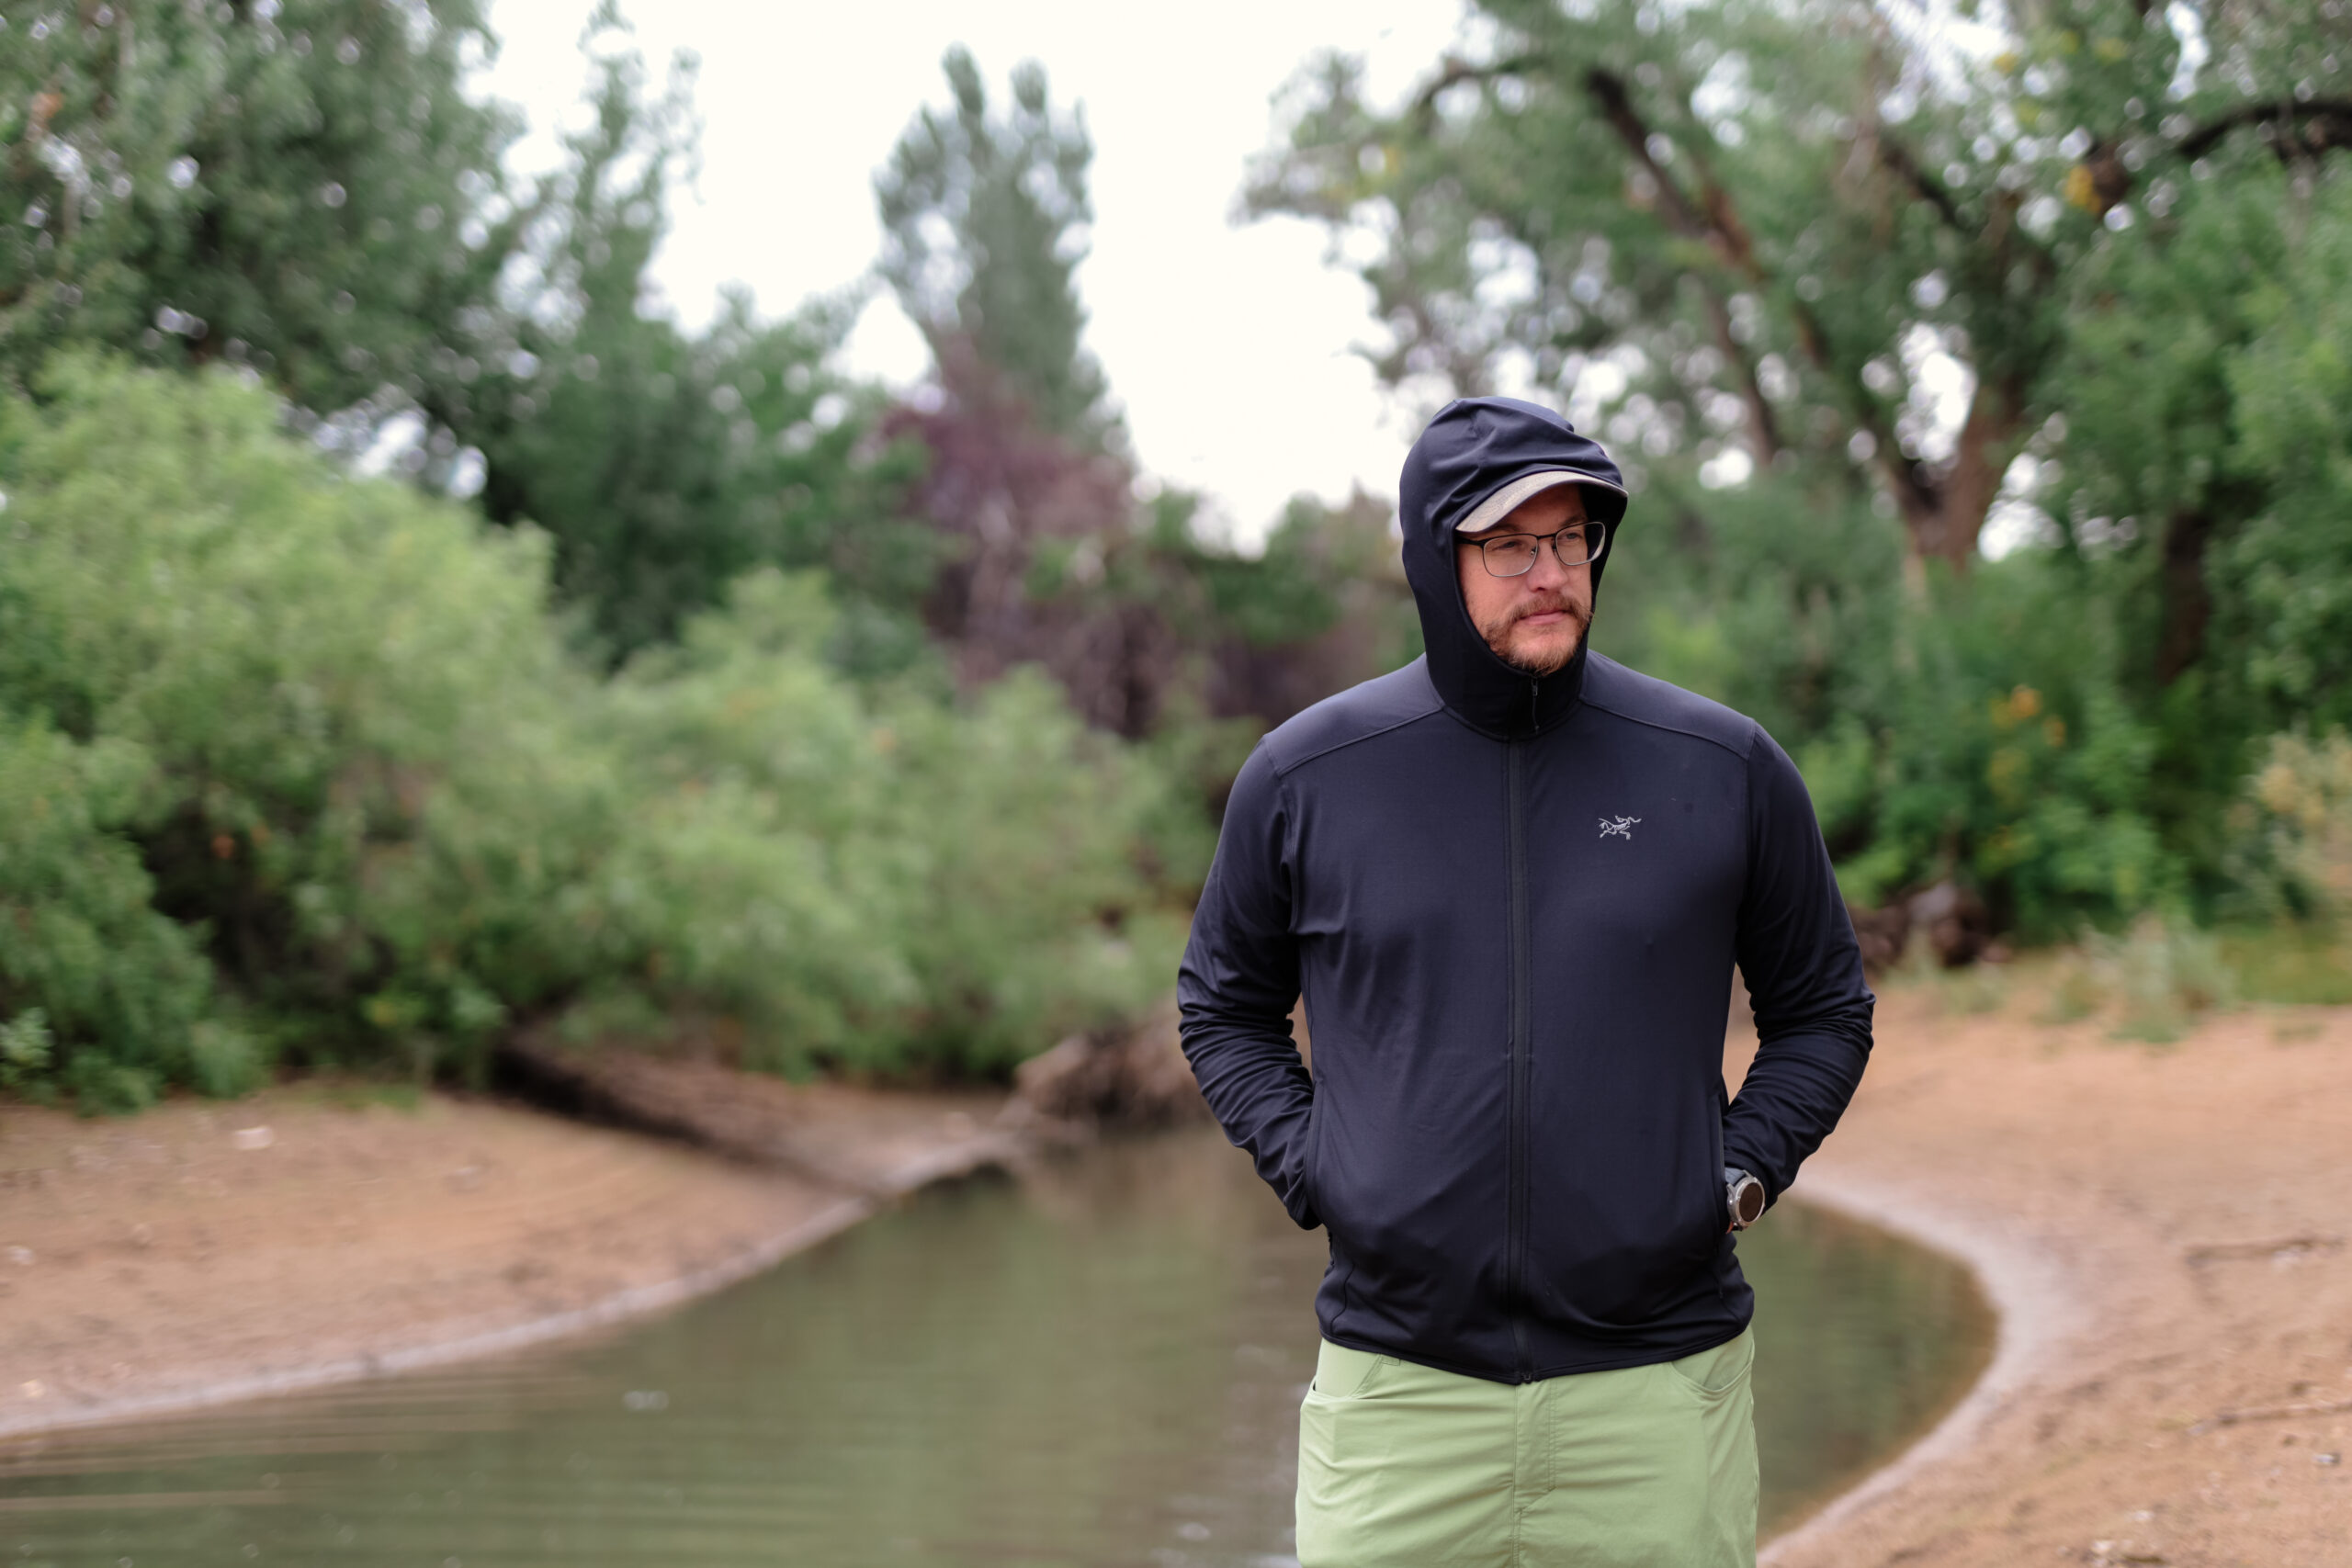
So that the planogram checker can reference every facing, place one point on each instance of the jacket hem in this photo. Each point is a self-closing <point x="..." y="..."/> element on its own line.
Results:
<point x="1605" y="1363"/>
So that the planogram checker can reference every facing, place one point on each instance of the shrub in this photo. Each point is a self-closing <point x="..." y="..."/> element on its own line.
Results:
<point x="2291" y="829"/>
<point x="359" y="782"/>
<point x="881" y="878"/>
<point x="295" y="766"/>
<point x="2165" y="972"/>
<point x="94" y="983"/>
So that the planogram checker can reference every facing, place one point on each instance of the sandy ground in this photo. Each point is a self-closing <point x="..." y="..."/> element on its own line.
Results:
<point x="2168" y="1231"/>
<point x="207" y="1251"/>
<point x="2165" y="1230"/>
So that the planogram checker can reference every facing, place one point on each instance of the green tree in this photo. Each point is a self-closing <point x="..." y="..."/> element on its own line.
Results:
<point x="309" y="191"/>
<point x="1780" y="225"/>
<point x="1856" y="264"/>
<point x="984" y="223"/>
<point x="299" y="768"/>
<point x="664" y="464"/>
<point x="302" y="186"/>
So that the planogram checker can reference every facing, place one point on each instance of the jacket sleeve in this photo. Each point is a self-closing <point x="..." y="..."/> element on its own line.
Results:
<point x="1804" y="971"/>
<point x="1238" y="982"/>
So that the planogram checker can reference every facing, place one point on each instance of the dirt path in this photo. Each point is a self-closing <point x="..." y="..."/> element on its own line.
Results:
<point x="2168" y="1233"/>
<point x="202" y="1252"/>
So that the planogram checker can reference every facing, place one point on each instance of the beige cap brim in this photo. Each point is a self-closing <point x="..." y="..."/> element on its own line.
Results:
<point x="1498" y="506"/>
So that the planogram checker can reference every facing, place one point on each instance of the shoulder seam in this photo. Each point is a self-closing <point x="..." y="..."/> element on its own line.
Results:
<point x="1741" y="753"/>
<point x="1283" y="770"/>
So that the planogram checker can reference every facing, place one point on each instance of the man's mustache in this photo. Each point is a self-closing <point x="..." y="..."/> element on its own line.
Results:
<point x="1546" y="607"/>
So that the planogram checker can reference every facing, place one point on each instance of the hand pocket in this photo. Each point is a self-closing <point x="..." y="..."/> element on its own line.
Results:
<point x="1711" y="1374"/>
<point x="1341" y="1373"/>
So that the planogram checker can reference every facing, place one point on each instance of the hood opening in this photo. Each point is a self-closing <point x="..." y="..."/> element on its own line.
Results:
<point x="1473" y="449"/>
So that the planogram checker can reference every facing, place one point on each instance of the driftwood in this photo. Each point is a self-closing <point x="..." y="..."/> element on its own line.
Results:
<point x="1952" y="922"/>
<point x="2273" y="1413"/>
<point x="875" y="1144"/>
<point x="1120" y="1079"/>
<point x="696" y="1101"/>
<point x="2290" y="1246"/>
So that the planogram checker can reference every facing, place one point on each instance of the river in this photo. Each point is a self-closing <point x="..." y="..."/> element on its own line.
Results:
<point x="1099" y="1365"/>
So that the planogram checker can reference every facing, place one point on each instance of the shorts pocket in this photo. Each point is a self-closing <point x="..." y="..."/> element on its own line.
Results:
<point x="1343" y="1373"/>
<point x="1713" y="1373"/>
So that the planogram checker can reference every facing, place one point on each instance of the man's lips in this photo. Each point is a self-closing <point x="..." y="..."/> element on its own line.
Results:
<point x="1543" y="618"/>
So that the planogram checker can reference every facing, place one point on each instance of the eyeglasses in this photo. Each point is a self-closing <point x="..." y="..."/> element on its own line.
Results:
<point x="1513" y="554"/>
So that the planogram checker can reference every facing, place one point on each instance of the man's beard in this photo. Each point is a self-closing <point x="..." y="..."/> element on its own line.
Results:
<point x="1496" y="634"/>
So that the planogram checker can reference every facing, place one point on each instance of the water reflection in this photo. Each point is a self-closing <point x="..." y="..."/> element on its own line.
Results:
<point x="1099" y="1367"/>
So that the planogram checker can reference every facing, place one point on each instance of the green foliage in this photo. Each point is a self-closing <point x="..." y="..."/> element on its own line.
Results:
<point x="2290" y="834"/>
<point x="310" y="189"/>
<point x="1948" y="727"/>
<point x="298" y="767"/>
<point x="2291" y="384"/>
<point x="2164" y="973"/>
<point x="664" y="465"/>
<point x="984" y="218"/>
<point x="25" y="1047"/>
<point x="84" y="959"/>
<point x="303" y="186"/>
<point x="1840" y="292"/>
<point x="880" y="879"/>
<point x="350" y="707"/>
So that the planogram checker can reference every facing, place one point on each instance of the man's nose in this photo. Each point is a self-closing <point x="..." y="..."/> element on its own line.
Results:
<point x="1547" y="574"/>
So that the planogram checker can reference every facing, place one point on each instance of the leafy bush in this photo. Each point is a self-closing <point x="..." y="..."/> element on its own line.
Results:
<point x="77" y="936"/>
<point x="2291" y="831"/>
<point x="360" y="785"/>
<point x="1970" y="729"/>
<point x="881" y="878"/>
<point x="2164" y="973"/>
<point x="297" y="767"/>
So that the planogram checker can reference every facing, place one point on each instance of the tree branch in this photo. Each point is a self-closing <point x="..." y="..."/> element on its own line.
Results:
<point x="2329" y="125"/>
<point x="1682" y="215"/>
<point x="1452" y="71"/>
<point x="1902" y="165"/>
<point x="1715" y="221"/>
<point x="1763" y="427"/>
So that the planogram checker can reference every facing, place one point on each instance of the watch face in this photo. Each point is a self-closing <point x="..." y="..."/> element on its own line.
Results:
<point x="1749" y="1198"/>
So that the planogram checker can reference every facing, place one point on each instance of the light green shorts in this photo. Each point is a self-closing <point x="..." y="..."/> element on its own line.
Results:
<point x="1652" y="1466"/>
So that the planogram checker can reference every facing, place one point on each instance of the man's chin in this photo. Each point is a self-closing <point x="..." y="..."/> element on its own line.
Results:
<point x="1540" y="657"/>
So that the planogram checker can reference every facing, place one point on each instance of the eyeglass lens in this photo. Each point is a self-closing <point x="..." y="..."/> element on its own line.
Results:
<point x="1514" y="554"/>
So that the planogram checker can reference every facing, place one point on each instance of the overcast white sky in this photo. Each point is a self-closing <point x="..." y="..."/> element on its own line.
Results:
<point x="1229" y="346"/>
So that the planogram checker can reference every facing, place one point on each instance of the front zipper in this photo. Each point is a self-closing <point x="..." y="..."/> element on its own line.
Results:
<point x="1521" y="1000"/>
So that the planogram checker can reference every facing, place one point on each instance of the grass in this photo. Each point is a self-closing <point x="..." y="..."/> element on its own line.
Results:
<point x="2299" y="963"/>
<point x="2153" y="982"/>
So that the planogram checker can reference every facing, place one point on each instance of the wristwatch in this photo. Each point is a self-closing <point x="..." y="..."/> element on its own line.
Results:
<point x="1744" y="1197"/>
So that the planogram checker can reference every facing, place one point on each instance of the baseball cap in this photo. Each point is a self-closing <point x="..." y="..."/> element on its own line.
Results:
<point x="1498" y="506"/>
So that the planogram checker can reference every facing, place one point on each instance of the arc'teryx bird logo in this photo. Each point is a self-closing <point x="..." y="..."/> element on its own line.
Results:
<point x="1618" y="826"/>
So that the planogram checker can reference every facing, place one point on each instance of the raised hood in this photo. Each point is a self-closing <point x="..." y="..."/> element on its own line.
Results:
<point x="1473" y="448"/>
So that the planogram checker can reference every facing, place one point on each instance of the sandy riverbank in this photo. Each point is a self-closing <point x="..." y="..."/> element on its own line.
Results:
<point x="2166" y="1230"/>
<point x="203" y="1252"/>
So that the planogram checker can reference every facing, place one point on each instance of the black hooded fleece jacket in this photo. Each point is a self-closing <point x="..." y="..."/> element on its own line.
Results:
<point x="1512" y="906"/>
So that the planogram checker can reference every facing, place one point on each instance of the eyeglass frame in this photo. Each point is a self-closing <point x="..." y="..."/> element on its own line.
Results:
<point x="1552" y="538"/>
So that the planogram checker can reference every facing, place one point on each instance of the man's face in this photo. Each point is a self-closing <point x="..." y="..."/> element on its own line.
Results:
<point x="1533" y="622"/>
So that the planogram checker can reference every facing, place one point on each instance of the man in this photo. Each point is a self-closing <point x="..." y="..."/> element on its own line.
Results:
<point x="1511" y="880"/>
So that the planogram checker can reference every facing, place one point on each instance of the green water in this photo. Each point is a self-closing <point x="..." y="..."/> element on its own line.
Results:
<point x="1099" y="1366"/>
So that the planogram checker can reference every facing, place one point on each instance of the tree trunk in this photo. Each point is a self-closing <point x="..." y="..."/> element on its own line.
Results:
<point x="2188" y="603"/>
